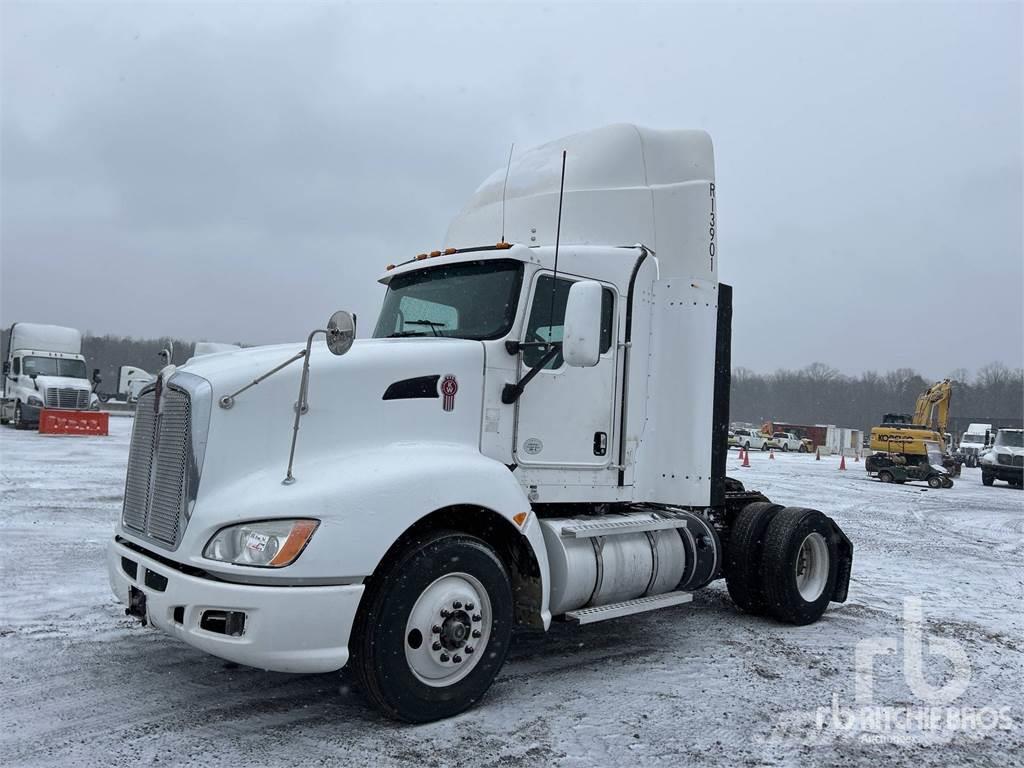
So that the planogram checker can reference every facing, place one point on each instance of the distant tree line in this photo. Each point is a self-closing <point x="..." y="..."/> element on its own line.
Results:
<point x="819" y="394"/>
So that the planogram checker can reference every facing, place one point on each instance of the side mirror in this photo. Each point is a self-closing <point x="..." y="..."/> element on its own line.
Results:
<point x="341" y="332"/>
<point x="581" y="337"/>
<point x="7" y="367"/>
<point x="96" y="378"/>
<point x="33" y="376"/>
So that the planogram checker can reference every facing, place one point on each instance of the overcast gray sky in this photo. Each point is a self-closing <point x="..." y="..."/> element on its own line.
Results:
<point x="238" y="171"/>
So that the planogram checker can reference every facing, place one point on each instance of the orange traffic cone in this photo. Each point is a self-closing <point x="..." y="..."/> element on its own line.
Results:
<point x="842" y="461"/>
<point x="771" y="454"/>
<point x="817" y="454"/>
<point x="746" y="459"/>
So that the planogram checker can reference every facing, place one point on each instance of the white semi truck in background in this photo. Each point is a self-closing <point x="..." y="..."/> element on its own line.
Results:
<point x="536" y="431"/>
<point x="974" y="442"/>
<point x="44" y="367"/>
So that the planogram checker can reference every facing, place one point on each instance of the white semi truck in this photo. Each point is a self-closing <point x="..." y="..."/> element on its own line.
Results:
<point x="44" y="367"/>
<point x="536" y="431"/>
<point x="974" y="442"/>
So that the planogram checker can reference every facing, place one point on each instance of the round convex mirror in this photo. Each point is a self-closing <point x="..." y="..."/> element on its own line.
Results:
<point x="341" y="332"/>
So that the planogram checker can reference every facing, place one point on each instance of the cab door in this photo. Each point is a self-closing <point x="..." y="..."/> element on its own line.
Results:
<point x="565" y="415"/>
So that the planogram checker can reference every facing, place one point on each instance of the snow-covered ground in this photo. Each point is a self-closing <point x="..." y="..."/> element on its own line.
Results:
<point x="81" y="684"/>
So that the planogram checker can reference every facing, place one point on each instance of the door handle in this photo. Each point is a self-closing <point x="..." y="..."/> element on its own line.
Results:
<point x="600" y="443"/>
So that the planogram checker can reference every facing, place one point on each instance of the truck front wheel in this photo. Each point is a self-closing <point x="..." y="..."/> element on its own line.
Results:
<point x="800" y="565"/>
<point x="987" y="478"/>
<point x="435" y="629"/>
<point x="17" y="422"/>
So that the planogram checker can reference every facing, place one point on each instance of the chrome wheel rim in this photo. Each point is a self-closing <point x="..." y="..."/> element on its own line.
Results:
<point x="448" y="630"/>
<point x="812" y="565"/>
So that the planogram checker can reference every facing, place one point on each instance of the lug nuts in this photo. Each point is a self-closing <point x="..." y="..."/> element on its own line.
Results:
<point x="476" y="617"/>
<point x="468" y="649"/>
<point x="457" y="659"/>
<point x="476" y="633"/>
<point x="445" y="613"/>
<point x="444" y="657"/>
<point x="435" y="629"/>
<point x="456" y="605"/>
<point x="436" y="646"/>
<point x="470" y="606"/>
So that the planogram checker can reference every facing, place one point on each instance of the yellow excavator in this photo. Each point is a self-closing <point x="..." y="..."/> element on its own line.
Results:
<point x="913" y="441"/>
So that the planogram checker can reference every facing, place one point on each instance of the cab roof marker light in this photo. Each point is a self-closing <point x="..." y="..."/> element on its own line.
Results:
<point x="503" y="246"/>
<point x="420" y="256"/>
<point x="434" y="254"/>
<point x="449" y="251"/>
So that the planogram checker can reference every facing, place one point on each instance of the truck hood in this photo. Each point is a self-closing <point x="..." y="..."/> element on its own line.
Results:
<point x="62" y="382"/>
<point x="382" y="392"/>
<point x="1013" y="451"/>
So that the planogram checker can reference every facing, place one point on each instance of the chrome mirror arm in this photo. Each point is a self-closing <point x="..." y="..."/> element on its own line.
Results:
<point x="302" y="404"/>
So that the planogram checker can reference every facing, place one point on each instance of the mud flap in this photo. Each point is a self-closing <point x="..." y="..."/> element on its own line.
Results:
<point x="845" y="549"/>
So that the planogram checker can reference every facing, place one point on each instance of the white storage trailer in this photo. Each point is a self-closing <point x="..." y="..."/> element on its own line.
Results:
<point x="537" y="430"/>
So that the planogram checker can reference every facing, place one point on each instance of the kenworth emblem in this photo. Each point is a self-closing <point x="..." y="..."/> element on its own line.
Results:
<point x="449" y="386"/>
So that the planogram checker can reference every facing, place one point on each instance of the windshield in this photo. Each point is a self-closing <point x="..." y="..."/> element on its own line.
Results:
<point x="53" y="366"/>
<point x="470" y="300"/>
<point x="973" y="439"/>
<point x="1010" y="439"/>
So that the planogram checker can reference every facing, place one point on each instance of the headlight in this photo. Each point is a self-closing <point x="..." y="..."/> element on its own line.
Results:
<point x="265" y="544"/>
<point x="33" y="400"/>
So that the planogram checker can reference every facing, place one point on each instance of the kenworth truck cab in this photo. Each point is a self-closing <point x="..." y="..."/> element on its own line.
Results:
<point x="536" y="431"/>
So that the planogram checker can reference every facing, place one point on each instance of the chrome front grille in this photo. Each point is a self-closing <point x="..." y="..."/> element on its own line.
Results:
<point x="67" y="398"/>
<point x="160" y="467"/>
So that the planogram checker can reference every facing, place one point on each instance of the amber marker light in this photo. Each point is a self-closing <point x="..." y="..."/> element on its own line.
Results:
<point x="297" y="539"/>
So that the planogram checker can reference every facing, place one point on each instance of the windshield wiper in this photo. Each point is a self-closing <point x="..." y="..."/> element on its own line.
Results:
<point x="402" y="334"/>
<point x="433" y="325"/>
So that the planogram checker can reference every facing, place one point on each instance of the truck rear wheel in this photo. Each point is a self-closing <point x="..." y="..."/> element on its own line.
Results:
<point x="435" y="629"/>
<point x="885" y="476"/>
<point x="743" y="558"/>
<point x="799" y="566"/>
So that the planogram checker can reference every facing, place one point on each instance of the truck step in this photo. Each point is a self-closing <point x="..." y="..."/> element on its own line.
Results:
<point x="589" y="530"/>
<point x="628" y="607"/>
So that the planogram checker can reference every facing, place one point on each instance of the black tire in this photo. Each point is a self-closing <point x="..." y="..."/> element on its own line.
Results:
<point x="947" y="482"/>
<point x="746" y="446"/>
<point x="987" y="478"/>
<point x="934" y="481"/>
<point x="786" y="536"/>
<point x="379" y="637"/>
<point x="743" y="558"/>
<point x="885" y="476"/>
<point x="764" y="446"/>
<point x="17" y="422"/>
<point x="803" y="448"/>
<point x="785" y="447"/>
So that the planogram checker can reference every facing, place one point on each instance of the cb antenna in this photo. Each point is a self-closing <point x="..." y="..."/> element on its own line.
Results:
<point x="558" y="237"/>
<point x="508" y="167"/>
